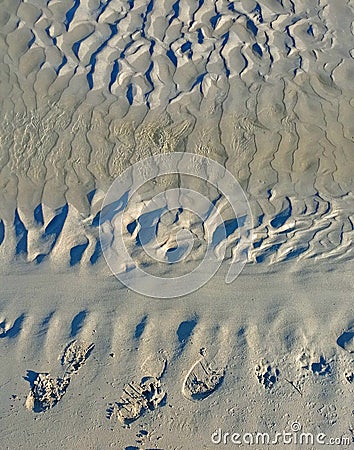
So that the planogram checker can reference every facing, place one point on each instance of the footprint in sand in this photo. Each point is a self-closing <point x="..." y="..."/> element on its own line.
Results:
<point x="202" y="380"/>
<point x="75" y="356"/>
<point x="138" y="398"/>
<point x="46" y="391"/>
<point x="266" y="374"/>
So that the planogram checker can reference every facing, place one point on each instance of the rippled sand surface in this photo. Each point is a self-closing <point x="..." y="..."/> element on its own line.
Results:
<point x="87" y="89"/>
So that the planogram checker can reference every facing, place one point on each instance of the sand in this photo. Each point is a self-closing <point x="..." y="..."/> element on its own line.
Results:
<point x="264" y="91"/>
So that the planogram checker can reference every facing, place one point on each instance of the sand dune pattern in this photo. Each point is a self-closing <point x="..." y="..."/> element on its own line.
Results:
<point x="265" y="88"/>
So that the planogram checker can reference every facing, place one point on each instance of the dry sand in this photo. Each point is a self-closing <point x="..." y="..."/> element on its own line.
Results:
<point x="89" y="88"/>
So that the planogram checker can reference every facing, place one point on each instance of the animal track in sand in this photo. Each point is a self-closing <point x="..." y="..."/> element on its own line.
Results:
<point x="321" y="367"/>
<point x="267" y="375"/>
<point x="46" y="391"/>
<point x="202" y="380"/>
<point x="318" y="366"/>
<point x="329" y="412"/>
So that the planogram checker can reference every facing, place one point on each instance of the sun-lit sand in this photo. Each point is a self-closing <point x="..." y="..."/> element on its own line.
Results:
<point x="265" y="89"/>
